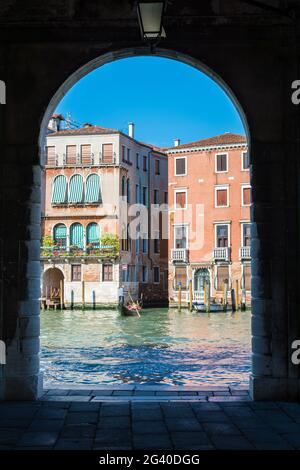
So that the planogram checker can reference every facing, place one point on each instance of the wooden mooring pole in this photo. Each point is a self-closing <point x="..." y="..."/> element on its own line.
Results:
<point x="83" y="294"/>
<point x="179" y="297"/>
<point x="61" y="294"/>
<point x="225" y="295"/>
<point x="190" y="295"/>
<point x="233" y="302"/>
<point x="237" y="294"/>
<point x="207" y="288"/>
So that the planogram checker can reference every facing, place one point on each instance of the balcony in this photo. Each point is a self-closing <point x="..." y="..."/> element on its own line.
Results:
<point x="180" y="255"/>
<point x="221" y="254"/>
<point x="245" y="252"/>
<point x="74" y="252"/>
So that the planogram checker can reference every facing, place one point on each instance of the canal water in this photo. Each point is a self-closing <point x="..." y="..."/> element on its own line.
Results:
<point x="102" y="347"/>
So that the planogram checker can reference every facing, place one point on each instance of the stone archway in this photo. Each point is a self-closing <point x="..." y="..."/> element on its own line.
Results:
<point x="234" y="52"/>
<point x="53" y="285"/>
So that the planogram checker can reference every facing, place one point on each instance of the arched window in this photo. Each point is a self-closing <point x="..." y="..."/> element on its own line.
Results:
<point x="60" y="236"/>
<point x="128" y="190"/>
<point x="93" y="193"/>
<point x="76" y="189"/>
<point x="59" y="193"/>
<point x="93" y="235"/>
<point x="76" y="235"/>
<point x="123" y="186"/>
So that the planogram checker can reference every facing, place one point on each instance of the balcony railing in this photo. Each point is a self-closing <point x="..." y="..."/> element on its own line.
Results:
<point x="221" y="254"/>
<point x="180" y="255"/>
<point x="73" y="252"/>
<point x="245" y="252"/>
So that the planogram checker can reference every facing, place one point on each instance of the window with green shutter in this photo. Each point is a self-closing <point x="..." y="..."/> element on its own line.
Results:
<point x="76" y="189"/>
<point x="93" y="193"/>
<point x="59" y="193"/>
<point x="76" y="235"/>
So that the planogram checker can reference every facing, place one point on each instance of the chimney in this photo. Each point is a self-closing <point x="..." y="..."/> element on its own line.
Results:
<point x="131" y="129"/>
<point x="55" y="122"/>
<point x="176" y="142"/>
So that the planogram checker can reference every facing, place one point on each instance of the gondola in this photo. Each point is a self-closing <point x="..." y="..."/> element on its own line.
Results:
<point x="129" y="312"/>
<point x="201" y="307"/>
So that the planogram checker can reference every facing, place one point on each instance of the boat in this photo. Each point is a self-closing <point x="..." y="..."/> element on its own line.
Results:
<point x="129" y="310"/>
<point x="201" y="307"/>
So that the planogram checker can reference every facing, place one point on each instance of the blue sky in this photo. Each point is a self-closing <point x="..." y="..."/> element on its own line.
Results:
<point x="166" y="99"/>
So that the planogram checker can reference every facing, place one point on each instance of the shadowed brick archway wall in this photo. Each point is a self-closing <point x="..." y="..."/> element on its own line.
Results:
<point x="255" y="52"/>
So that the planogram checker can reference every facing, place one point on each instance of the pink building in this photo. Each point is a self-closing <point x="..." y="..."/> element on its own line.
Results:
<point x="209" y="216"/>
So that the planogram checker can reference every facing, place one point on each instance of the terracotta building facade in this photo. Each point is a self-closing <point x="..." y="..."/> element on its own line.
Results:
<point x="96" y="182"/>
<point x="209" y="217"/>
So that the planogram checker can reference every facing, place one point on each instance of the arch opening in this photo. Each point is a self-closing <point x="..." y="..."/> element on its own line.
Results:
<point x="83" y="237"/>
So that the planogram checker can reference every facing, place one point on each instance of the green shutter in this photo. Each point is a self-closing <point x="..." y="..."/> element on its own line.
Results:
<point x="59" y="190"/>
<point x="76" y="235"/>
<point x="93" y="189"/>
<point x="93" y="234"/>
<point x="60" y="235"/>
<point x="76" y="189"/>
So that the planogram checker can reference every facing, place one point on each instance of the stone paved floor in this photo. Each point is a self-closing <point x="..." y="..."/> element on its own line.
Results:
<point x="147" y="418"/>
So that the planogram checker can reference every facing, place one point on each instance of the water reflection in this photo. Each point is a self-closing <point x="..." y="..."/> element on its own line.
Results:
<point x="161" y="347"/>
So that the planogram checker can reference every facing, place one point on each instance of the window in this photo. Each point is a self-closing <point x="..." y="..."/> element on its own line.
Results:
<point x="180" y="277"/>
<point x="156" y="196"/>
<point x="137" y="194"/>
<point x="156" y="245"/>
<point x="71" y="154"/>
<point x="123" y="189"/>
<point x="107" y="272"/>
<point x="137" y="243"/>
<point x="124" y="243"/>
<point x="50" y="156"/>
<point x="247" y="277"/>
<point x="180" y="199"/>
<point x="128" y="190"/>
<point x="144" y="196"/>
<point x="156" y="274"/>
<point x="221" y="162"/>
<point x="246" y="195"/>
<point x="180" y="166"/>
<point x="221" y="197"/>
<point x="86" y="154"/>
<point x="124" y="272"/>
<point x="157" y="167"/>
<point x="246" y="233"/>
<point x="92" y="193"/>
<point x="145" y="245"/>
<point x="60" y="236"/>
<point x="76" y="235"/>
<point x="221" y="236"/>
<point x="128" y="156"/>
<point x="76" y="190"/>
<point x="107" y="153"/>
<point x="93" y="235"/>
<point x="165" y="198"/>
<point x="59" y="193"/>
<point x="145" y="274"/>
<point x="145" y="161"/>
<point x="137" y="160"/>
<point x="180" y="237"/>
<point x="76" y="272"/>
<point x="123" y="154"/>
<point x="245" y="161"/>
<point x="222" y="276"/>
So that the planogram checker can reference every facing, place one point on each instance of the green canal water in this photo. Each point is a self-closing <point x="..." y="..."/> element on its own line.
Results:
<point x="162" y="347"/>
